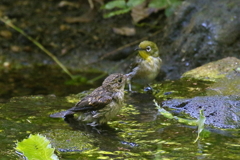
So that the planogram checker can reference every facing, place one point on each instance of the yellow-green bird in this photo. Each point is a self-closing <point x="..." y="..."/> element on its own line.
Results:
<point x="148" y="64"/>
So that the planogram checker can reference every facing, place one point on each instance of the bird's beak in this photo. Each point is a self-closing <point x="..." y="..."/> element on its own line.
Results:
<point x="138" y="49"/>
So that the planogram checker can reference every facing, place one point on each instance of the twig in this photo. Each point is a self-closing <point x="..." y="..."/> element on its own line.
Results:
<point x="97" y="78"/>
<point x="127" y="45"/>
<point x="10" y="24"/>
<point x="91" y="4"/>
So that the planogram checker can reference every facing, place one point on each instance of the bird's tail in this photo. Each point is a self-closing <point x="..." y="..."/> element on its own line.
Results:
<point x="62" y="114"/>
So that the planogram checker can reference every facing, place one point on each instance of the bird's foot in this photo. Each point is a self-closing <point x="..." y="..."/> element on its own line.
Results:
<point x="93" y="124"/>
<point x="148" y="89"/>
<point x="94" y="127"/>
<point x="97" y="130"/>
<point x="132" y="92"/>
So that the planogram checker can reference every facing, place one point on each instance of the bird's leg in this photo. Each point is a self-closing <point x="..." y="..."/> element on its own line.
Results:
<point x="97" y="130"/>
<point x="94" y="126"/>
<point x="129" y="82"/>
<point x="129" y="87"/>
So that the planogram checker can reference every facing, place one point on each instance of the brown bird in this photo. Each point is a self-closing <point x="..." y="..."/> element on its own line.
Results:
<point x="102" y="104"/>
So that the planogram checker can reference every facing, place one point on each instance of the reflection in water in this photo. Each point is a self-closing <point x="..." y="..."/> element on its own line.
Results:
<point x="138" y="132"/>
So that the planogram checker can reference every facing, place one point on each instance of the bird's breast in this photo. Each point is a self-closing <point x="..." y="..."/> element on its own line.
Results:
<point x="147" y="70"/>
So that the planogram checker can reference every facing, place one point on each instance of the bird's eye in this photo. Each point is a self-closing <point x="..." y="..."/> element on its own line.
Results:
<point x="148" y="49"/>
<point x="120" y="80"/>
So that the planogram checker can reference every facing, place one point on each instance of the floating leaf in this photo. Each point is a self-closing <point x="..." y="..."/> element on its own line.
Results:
<point x="163" y="111"/>
<point x="200" y="122"/>
<point x="36" y="147"/>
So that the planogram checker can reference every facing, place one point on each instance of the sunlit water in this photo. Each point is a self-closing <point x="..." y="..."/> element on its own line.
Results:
<point x="138" y="132"/>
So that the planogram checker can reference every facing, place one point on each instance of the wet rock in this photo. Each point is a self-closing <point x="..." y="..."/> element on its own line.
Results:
<point x="201" y="31"/>
<point x="70" y="141"/>
<point x="225" y="87"/>
<point x="215" y="70"/>
<point x="220" y="100"/>
<point x="220" y="111"/>
<point x="223" y="72"/>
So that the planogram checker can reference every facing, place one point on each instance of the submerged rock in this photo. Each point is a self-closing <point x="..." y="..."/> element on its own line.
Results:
<point x="220" y="111"/>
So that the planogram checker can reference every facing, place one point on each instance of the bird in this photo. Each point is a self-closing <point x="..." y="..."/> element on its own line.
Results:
<point x="147" y="64"/>
<point x="101" y="105"/>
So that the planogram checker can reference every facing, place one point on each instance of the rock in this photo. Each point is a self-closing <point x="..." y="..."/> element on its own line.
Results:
<point x="70" y="141"/>
<point x="201" y="31"/>
<point x="223" y="72"/>
<point x="220" y="111"/>
<point x="220" y="100"/>
<point x="214" y="70"/>
<point x="225" y="87"/>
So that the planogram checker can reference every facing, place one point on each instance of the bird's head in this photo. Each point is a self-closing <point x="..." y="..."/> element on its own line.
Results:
<point x="115" y="82"/>
<point x="148" y="48"/>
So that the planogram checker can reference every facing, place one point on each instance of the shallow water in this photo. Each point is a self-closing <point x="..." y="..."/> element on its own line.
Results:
<point x="139" y="132"/>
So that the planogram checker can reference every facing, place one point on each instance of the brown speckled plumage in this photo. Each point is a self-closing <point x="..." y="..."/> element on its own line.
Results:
<point x="102" y="104"/>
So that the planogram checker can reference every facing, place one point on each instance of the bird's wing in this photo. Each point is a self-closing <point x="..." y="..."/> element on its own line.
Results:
<point x="92" y="102"/>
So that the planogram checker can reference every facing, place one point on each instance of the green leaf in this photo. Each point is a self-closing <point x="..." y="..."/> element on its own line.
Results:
<point x="200" y="122"/>
<point x="163" y="111"/>
<point x="36" y="147"/>
<point x="115" y="4"/>
<point x="168" y="115"/>
<point x="168" y="5"/>
<point x="133" y="3"/>
<point x="169" y="10"/>
<point x="158" y="4"/>
<point x="122" y="11"/>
